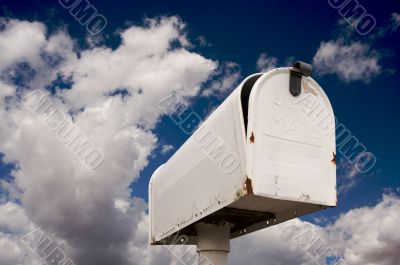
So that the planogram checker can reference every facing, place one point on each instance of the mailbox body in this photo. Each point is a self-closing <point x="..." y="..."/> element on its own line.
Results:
<point x="262" y="157"/>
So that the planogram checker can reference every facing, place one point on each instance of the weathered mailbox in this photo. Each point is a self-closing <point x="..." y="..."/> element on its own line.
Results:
<point x="264" y="156"/>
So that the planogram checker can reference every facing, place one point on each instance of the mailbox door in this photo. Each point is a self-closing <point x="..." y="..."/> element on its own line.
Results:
<point x="291" y="141"/>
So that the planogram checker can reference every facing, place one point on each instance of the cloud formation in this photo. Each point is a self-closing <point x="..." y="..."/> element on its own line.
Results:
<point x="110" y="95"/>
<point x="225" y="80"/>
<point x="395" y="18"/>
<point x="350" y="62"/>
<point x="361" y="236"/>
<point x="265" y="63"/>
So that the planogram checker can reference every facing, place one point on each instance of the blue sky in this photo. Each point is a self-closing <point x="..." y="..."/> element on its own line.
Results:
<point x="359" y="73"/>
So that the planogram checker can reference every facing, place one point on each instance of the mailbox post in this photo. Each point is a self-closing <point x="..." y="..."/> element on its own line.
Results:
<point x="264" y="156"/>
<point x="213" y="243"/>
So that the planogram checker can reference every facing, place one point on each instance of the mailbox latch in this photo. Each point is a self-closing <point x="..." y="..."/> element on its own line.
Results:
<point x="296" y="72"/>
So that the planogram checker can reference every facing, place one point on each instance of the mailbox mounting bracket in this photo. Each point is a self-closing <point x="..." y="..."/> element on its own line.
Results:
<point x="296" y="72"/>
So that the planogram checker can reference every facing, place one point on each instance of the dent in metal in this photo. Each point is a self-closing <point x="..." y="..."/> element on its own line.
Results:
<point x="305" y="197"/>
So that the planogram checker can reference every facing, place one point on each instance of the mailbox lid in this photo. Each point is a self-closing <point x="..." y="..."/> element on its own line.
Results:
<point x="291" y="141"/>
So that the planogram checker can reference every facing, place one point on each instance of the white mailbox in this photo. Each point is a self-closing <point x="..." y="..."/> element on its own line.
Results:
<point x="264" y="156"/>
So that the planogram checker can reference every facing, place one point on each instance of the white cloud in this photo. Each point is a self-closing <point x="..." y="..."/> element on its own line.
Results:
<point x="9" y="191"/>
<point x="14" y="219"/>
<point x="350" y="62"/>
<point x="90" y="210"/>
<point x="272" y="245"/>
<point x="395" y="20"/>
<point x="265" y="63"/>
<point x="10" y="252"/>
<point x="348" y="175"/>
<point x="14" y="38"/>
<point x="203" y="41"/>
<point x="167" y="148"/>
<point x="13" y="224"/>
<point x="367" y="235"/>
<point x="224" y="80"/>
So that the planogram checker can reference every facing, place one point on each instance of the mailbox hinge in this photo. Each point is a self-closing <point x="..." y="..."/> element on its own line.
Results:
<point x="296" y="72"/>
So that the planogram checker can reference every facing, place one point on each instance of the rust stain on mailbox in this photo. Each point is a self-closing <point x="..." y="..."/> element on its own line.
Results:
<point x="252" y="138"/>
<point x="334" y="158"/>
<point x="248" y="186"/>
